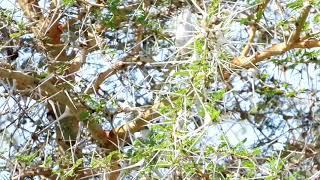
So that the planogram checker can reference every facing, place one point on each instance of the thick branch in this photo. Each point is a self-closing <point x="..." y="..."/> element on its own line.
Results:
<point x="47" y="28"/>
<point x="253" y="27"/>
<point x="119" y="136"/>
<point x="131" y="60"/>
<point x="252" y="34"/>
<point x="294" y="41"/>
<point x="278" y="49"/>
<point x="300" y="23"/>
<point x="24" y="81"/>
<point x="31" y="9"/>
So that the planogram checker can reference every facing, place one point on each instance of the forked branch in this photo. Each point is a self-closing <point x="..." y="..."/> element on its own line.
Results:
<point x="295" y="41"/>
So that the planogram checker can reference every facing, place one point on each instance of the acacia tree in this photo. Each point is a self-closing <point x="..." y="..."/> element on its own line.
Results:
<point x="120" y="89"/>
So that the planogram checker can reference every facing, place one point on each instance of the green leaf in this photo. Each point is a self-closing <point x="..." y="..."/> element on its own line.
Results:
<point x="291" y="94"/>
<point x="244" y="21"/>
<point x="182" y="91"/>
<point x="211" y="110"/>
<point x="257" y="151"/>
<point x="316" y="18"/>
<point x="15" y="35"/>
<point x="84" y="115"/>
<point x="48" y="162"/>
<point x="199" y="45"/>
<point x="218" y="95"/>
<point x="248" y="164"/>
<point x="214" y="7"/>
<point x="27" y="158"/>
<point x="214" y="114"/>
<point x="315" y="3"/>
<point x="78" y="163"/>
<point x="296" y="4"/>
<point x="68" y="2"/>
<point x="182" y="73"/>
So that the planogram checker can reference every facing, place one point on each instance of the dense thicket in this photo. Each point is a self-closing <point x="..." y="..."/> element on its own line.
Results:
<point x="160" y="89"/>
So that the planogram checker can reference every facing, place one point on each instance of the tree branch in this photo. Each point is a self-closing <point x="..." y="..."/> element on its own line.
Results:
<point x="253" y="27"/>
<point x="245" y="61"/>
<point x="130" y="60"/>
<point x="278" y="49"/>
<point x="24" y="81"/>
<point x="31" y="9"/>
<point x="300" y="23"/>
<point x="111" y="140"/>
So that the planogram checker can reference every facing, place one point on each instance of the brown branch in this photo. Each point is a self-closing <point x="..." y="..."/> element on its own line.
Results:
<point x="99" y="4"/>
<point x="111" y="140"/>
<point x="49" y="173"/>
<point x="24" y="81"/>
<point x="278" y="49"/>
<point x="105" y="139"/>
<point x="253" y="27"/>
<point x="245" y="61"/>
<point x="31" y="9"/>
<point x="106" y="74"/>
<point x="252" y="34"/>
<point x="260" y="9"/>
<point x="46" y="172"/>
<point x="300" y="23"/>
<point x="47" y="29"/>
<point x="130" y="60"/>
<point x="78" y="61"/>
<point x="6" y="65"/>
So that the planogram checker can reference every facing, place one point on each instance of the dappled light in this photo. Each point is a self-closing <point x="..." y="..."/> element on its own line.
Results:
<point x="159" y="89"/>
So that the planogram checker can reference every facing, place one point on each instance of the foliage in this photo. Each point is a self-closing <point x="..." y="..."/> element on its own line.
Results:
<point x="101" y="89"/>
